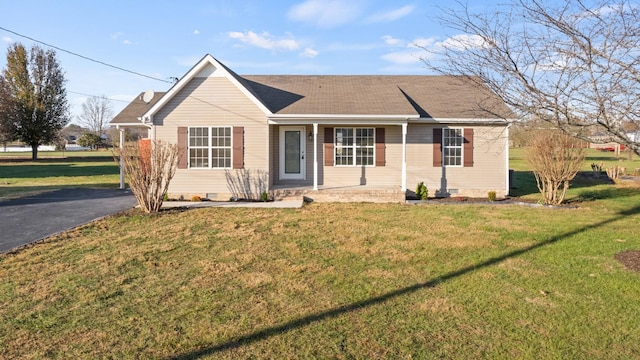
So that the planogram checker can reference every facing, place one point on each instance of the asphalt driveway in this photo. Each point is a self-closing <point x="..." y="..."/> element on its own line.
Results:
<point x="29" y="219"/>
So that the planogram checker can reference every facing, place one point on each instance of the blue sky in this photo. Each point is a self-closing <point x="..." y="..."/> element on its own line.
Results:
<point x="163" y="39"/>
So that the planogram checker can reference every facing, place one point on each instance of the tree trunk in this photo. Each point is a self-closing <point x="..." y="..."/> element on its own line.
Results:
<point x="34" y="151"/>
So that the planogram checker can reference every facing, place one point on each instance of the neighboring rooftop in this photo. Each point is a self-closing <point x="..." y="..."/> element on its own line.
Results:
<point x="131" y="114"/>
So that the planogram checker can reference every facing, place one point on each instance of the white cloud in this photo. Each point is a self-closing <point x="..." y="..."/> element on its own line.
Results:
<point x="422" y="42"/>
<point x="264" y="40"/>
<point x="392" y="15"/>
<point x="402" y="57"/>
<point x="127" y="42"/>
<point x="309" y="52"/>
<point x="462" y="42"/>
<point x="391" y="41"/>
<point x="326" y="13"/>
<point x="7" y="39"/>
<point x="196" y="32"/>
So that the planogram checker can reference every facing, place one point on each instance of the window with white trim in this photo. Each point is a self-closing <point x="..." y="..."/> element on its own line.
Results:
<point x="452" y="140"/>
<point x="354" y="146"/>
<point x="210" y="147"/>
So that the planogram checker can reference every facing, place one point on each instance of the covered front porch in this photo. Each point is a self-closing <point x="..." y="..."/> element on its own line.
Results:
<point x="304" y="158"/>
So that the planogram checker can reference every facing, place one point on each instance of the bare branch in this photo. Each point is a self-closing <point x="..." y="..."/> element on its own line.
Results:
<point x="574" y="64"/>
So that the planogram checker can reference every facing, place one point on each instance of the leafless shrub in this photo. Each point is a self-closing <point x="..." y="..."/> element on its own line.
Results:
<point x="149" y="166"/>
<point x="614" y="172"/>
<point x="247" y="184"/>
<point x="555" y="158"/>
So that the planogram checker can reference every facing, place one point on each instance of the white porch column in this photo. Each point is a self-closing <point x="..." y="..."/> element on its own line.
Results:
<point x="121" y="162"/>
<point x="506" y="152"/>
<point x="404" y="157"/>
<point x="315" y="156"/>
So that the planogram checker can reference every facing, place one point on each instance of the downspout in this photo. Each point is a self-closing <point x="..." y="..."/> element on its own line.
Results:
<point x="508" y="171"/>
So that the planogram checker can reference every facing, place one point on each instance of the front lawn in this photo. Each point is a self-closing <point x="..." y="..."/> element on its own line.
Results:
<point x="333" y="281"/>
<point x="525" y="183"/>
<point x="20" y="176"/>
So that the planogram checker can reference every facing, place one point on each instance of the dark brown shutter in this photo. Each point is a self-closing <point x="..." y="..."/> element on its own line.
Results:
<point x="468" y="148"/>
<point x="437" y="147"/>
<point x="328" y="146"/>
<point x="238" y="147"/>
<point x="380" y="147"/>
<point x="183" y="140"/>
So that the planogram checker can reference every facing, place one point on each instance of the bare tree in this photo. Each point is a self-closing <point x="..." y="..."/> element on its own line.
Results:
<point x="148" y="168"/>
<point x="96" y="114"/>
<point x="574" y="64"/>
<point x="555" y="159"/>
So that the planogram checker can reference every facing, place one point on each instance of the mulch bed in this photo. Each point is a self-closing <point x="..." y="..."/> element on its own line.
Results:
<point x="630" y="259"/>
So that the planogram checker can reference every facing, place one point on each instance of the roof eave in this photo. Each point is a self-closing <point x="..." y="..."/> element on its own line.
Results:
<point x="332" y="119"/>
<point x="460" y="121"/>
<point x="136" y="124"/>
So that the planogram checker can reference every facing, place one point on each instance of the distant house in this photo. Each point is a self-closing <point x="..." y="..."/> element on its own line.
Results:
<point x="345" y="138"/>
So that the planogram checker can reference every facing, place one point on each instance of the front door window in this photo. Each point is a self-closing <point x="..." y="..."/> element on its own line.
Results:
<point x="292" y="148"/>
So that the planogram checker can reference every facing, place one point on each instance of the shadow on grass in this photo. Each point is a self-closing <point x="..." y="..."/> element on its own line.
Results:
<point x="56" y="170"/>
<point x="607" y="193"/>
<point x="338" y="311"/>
<point x="15" y="192"/>
<point x="525" y="182"/>
<point x="46" y="160"/>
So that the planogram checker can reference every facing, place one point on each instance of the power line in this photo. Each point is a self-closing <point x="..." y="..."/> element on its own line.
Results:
<point x="97" y="96"/>
<point x="85" y="57"/>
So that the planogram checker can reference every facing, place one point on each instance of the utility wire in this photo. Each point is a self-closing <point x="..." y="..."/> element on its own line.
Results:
<point x="84" y="57"/>
<point x="97" y="96"/>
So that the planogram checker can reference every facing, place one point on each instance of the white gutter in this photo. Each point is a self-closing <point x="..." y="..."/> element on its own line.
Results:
<point x="332" y="119"/>
<point x="483" y="121"/>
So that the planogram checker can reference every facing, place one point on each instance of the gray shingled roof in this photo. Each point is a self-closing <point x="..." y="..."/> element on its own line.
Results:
<point x="130" y="114"/>
<point x="426" y="96"/>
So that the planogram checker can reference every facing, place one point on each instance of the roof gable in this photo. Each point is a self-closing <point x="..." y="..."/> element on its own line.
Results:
<point x="208" y="66"/>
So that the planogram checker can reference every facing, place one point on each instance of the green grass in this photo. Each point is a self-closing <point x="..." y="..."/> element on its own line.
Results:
<point x="332" y="281"/>
<point x="19" y="176"/>
<point x="525" y="183"/>
<point x="346" y="281"/>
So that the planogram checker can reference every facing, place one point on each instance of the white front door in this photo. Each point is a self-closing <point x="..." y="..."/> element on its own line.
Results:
<point x="292" y="154"/>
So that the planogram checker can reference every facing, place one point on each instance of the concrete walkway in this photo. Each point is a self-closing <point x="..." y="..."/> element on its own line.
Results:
<point x="286" y="204"/>
<point x="29" y="219"/>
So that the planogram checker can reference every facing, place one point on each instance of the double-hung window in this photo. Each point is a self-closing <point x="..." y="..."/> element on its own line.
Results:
<point x="210" y="147"/>
<point x="452" y="140"/>
<point x="354" y="146"/>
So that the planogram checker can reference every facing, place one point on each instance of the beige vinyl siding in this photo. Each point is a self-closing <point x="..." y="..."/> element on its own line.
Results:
<point x="213" y="101"/>
<point x="382" y="177"/>
<point x="489" y="171"/>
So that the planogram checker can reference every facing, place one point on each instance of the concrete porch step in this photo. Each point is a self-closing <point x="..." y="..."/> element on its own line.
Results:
<point x="341" y="195"/>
